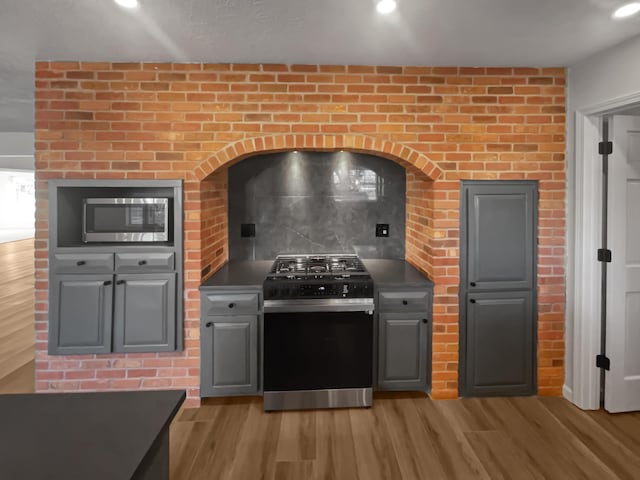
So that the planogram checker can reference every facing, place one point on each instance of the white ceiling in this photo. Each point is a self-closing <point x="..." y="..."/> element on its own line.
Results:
<point x="420" y="32"/>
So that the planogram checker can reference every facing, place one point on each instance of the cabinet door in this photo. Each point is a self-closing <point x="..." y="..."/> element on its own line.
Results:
<point x="145" y="313"/>
<point x="403" y="353"/>
<point x="80" y="314"/>
<point x="500" y="340"/>
<point x="499" y="227"/>
<point x="229" y="349"/>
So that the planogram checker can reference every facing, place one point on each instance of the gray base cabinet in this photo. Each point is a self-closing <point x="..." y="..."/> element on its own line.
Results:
<point x="144" y="318"/>
<point x="499" y="347"/>
<point x="104" y="313"/>
<point x="404" y="333"/>
<point x="80" y="314"/>
<point x="229" y="343"/>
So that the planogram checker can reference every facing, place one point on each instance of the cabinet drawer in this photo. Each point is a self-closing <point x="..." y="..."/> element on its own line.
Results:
<point x="83" y="262"/>
<point x="230" y="304"/>
<point x="403" y="301"/>
<point x="145" y="262"/>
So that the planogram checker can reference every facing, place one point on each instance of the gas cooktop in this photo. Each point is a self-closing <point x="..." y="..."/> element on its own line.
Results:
<point x="313" y="276"/>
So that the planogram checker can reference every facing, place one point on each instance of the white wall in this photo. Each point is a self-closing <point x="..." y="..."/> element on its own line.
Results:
<point x="16" y="150"/>
<point x="611" y="74"/>
<point x="17" y="198"/>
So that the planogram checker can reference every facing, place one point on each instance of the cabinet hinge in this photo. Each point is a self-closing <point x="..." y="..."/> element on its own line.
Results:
<point x="602" y="361"/>
<point x="605" y="148"/>
<point x="604" y="255"/>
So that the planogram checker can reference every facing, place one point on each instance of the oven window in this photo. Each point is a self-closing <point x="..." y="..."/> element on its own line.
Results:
<point x="101" y="218"/>
<point x="313" y="350"/>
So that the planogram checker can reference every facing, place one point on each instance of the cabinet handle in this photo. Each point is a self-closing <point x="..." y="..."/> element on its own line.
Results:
<point x="209" y="324"/>
<point x="142" y="262"/>
<point x="80" y="263"/>
<point x="107" y="282"/>
<point x="231" y="305"/>
<point x="424" y="320"/>
<point x="472" y="300"/>
<point x="473" y="284"/>
<point x="404" y="302"/>
<point x="120" y="282"/>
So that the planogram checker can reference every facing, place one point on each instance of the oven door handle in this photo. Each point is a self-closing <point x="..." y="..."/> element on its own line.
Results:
<point x="320" y="305"/>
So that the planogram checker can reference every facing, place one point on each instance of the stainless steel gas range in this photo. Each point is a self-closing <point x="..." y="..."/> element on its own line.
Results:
<point x="318" y="333"/>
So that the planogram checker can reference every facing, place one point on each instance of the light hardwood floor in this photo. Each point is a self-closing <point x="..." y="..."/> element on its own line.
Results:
<point x="406" y="436"/>
<point x="16" y="314"/>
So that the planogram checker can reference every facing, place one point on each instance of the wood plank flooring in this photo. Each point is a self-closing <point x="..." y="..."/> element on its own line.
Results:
<point x="406" y="436"/>
<point x="16" y="306"/>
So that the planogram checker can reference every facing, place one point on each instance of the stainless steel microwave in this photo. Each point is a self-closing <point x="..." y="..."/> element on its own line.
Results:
<point x="125" y="220"/>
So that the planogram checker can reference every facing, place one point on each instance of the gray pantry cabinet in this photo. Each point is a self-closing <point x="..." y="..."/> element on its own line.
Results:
<point x="404" y="339"/>
<point x="229" y="332"/>
<point x="498" y="288"/>
<point x="112" y="297"/>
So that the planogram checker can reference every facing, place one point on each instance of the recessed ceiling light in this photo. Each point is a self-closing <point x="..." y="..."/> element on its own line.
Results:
<point x="386" y="6"/>
<point x="127" y="3"/>
<point x="627" y="10"/>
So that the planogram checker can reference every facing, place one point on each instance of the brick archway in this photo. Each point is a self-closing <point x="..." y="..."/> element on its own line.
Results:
<point x="241" y="149"/>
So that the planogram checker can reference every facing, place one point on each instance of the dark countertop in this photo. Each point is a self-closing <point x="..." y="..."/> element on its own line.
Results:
<point x="246" y="273"/>
<point x="249" y="273"/>
<point x="395" y="273"/>
<point x="80" y="436"/>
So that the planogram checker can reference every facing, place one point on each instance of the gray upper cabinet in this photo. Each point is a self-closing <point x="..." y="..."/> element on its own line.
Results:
<point x="80" y="314"/>
<point x="404" y="332"/>
<point x="498" y="288"/>
<point x="500" y="246"/>
<point x="230" y="360"/>
<point x="144" y="313"/>
<point x="500" y="353"/>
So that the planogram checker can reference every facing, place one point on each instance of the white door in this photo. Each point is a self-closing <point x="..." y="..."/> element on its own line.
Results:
<point x="622" y="385"/>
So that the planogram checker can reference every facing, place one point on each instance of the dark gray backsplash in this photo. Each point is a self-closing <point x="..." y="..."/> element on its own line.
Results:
<point x="316" y="202"/>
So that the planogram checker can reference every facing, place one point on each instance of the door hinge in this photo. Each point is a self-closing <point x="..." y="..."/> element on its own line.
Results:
<point x="602" y="361"/>
<point x="605" y="148"/>
<point x="604" y="255"/>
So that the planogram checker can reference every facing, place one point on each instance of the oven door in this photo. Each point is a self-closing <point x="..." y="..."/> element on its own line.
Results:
<point x="318" y="350"/>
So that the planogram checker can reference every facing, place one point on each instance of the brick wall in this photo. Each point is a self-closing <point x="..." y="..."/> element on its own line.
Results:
<point x="191" y="121"/>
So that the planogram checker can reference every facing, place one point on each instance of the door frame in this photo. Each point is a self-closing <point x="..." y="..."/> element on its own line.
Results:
<point x="583" y="274"/>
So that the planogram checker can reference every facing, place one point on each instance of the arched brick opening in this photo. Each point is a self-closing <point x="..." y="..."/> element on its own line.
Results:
<point x="241" y="149"/>
<point x="429" y="247"/>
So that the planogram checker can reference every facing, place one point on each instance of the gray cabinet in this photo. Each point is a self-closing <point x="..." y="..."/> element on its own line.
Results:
<point x="500" y="235"/>
<point x="404" y="332"/>
<point x="498" y="288"/>
<point x="144" y="313"/>
<point x="229" y="342"/>
<point x="80" y="314"/>
<point x="118" y="296"/>
<point x="499" y="342"/>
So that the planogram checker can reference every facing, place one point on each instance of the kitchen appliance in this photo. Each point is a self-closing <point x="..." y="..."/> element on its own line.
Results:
<point x="318" y="333"/>
<point x="125" y="219"/>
